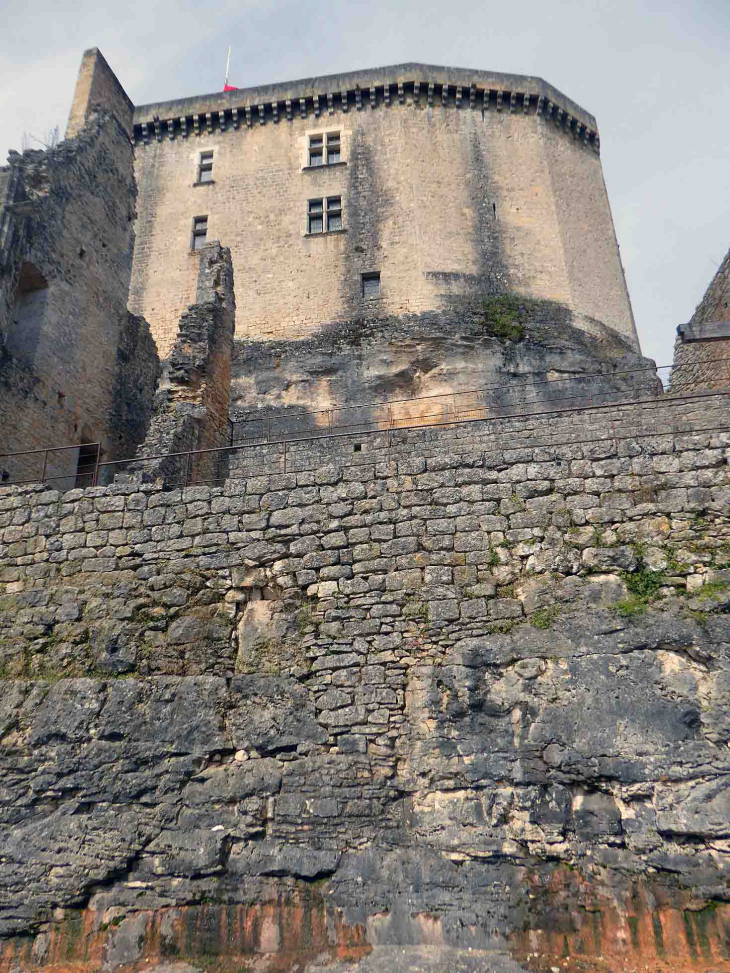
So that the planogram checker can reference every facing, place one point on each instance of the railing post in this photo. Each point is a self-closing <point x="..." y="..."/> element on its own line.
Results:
<point x="187" y="471"/>
<point x="45" y="461"/>
<point x="95" y="480"/>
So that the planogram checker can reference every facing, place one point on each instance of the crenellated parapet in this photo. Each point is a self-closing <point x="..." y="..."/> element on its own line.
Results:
<point x="416" y="86"/>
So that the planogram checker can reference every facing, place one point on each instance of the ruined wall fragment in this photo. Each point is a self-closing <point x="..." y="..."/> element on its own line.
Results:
<point x="192" y="403"/>
<point x="75" y="366"/>
<point x="702" y="348"/>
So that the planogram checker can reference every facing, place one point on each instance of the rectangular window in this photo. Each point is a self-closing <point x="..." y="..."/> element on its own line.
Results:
<point x="200" y="232"/>
<point x="205" y="167"/>
<point x="333" y="148"/>
<point x="324" y="151"/>
<point x="316" y="150"/>
<point x="316" y="216"/>
<point x="370" y="285"/>
<point x="334" y="213"/>
<point x="324" y="214"/>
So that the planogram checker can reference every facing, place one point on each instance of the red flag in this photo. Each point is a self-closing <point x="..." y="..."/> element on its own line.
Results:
<point x="230" y="87"/>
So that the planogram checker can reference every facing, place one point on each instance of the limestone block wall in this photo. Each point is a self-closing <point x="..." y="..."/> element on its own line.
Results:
<point x="454" y="184"/>
<point x="454" y="679"/>
<point x="702" y="349"/>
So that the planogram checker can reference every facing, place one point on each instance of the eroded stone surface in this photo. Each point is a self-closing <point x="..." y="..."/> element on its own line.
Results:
<point x="455" y="721"/>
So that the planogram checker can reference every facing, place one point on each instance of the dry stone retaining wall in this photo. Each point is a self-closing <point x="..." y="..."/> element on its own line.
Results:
<point x="402" y="693"/>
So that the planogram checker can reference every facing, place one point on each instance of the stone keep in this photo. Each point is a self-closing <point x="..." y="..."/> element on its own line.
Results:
<point x="451" y="183"/>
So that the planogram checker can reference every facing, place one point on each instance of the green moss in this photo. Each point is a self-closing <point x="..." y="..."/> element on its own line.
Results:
<point x="631" y="606"/>
<point x="633" y="922"/>
<point x="504" y="316"/>
<point x="544" y="617"/>
<point x="711" y="589"/>
<point x="643" y="583"/>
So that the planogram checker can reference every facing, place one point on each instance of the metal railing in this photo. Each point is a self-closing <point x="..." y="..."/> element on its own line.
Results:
<point x="435" y="410"/>
<point x="482" y="403"/>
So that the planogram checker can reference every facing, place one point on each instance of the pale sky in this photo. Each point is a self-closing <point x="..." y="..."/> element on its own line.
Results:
<point x="653" y="72"/>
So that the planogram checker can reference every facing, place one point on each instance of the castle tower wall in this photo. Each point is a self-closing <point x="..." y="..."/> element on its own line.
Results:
<point x="444" y="194"/>
<point x="702" y="348"/>
<point x="98" y="87"/>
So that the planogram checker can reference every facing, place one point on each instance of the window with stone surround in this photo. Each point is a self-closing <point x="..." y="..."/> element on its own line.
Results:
<point x="205" y="167"/>
<point x="324" y="215"/>
<point x="324" y="150"/>
<point x="200" y="232"/>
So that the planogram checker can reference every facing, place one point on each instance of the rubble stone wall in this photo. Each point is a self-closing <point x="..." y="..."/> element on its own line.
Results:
<point x="402" y="695"/>
<point x="75" y="365"/>
<point x="192" y="403"/>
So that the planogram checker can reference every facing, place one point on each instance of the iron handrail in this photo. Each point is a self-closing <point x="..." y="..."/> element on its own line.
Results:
<point x="448" y="420"/>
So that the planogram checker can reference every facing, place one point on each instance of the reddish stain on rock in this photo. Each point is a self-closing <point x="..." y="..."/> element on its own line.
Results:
<point x="583" y="927"/>
<point x="279" y="936"/>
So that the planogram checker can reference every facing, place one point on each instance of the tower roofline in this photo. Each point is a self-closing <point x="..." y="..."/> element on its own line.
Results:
<point x="365" y="80"/>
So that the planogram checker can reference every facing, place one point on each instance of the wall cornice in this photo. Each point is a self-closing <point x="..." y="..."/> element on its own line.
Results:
<point x="412" y="85"/>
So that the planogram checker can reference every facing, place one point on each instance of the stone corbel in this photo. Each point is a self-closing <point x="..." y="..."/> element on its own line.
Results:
<point x="429" y="95"/>
<point x="401" y="93"/>
<point x="500" y="93"/>
<point x="526" y="103"/>
<point x="540" y="104"/>
<point x="416" y="94"/>
<point x="444" y="95"/>
<point x="343" y="98"/>
<point x="209" y="122"/>
<point x="222" y="120"/>
<point x="373" y="99"/>
<point x="184" y="126"/>
<point x="330" y="103"/>
<point x="145" y="133"/>
<point x="302" y="107"/>
<point x="485" y="100"/>
<point x="275" y="111"/>
<point x="358" y="99"/>
<point x="315" y="102"/>
<point x="473" y="97"/>
<point x="158" y="132"/>
<point x="196" y="123"/>
<point x="171" y="128"/>
<point x="559" y="114"/>
<point x="550" y="107"/>
<point x="458" y="97"/>
<point x="386" y="95"/>
<point x="262" y="114"/>
<point x="287" y="105"/>
<point x="234" y="118"/>
<point x="249" y="118"/>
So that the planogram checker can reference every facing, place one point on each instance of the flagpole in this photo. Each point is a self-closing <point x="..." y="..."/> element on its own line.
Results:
<point x="228" y="64"/>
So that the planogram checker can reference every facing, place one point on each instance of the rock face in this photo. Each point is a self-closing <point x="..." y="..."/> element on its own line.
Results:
<point x="521" y="355"/>
<point x="456" y="711"/>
